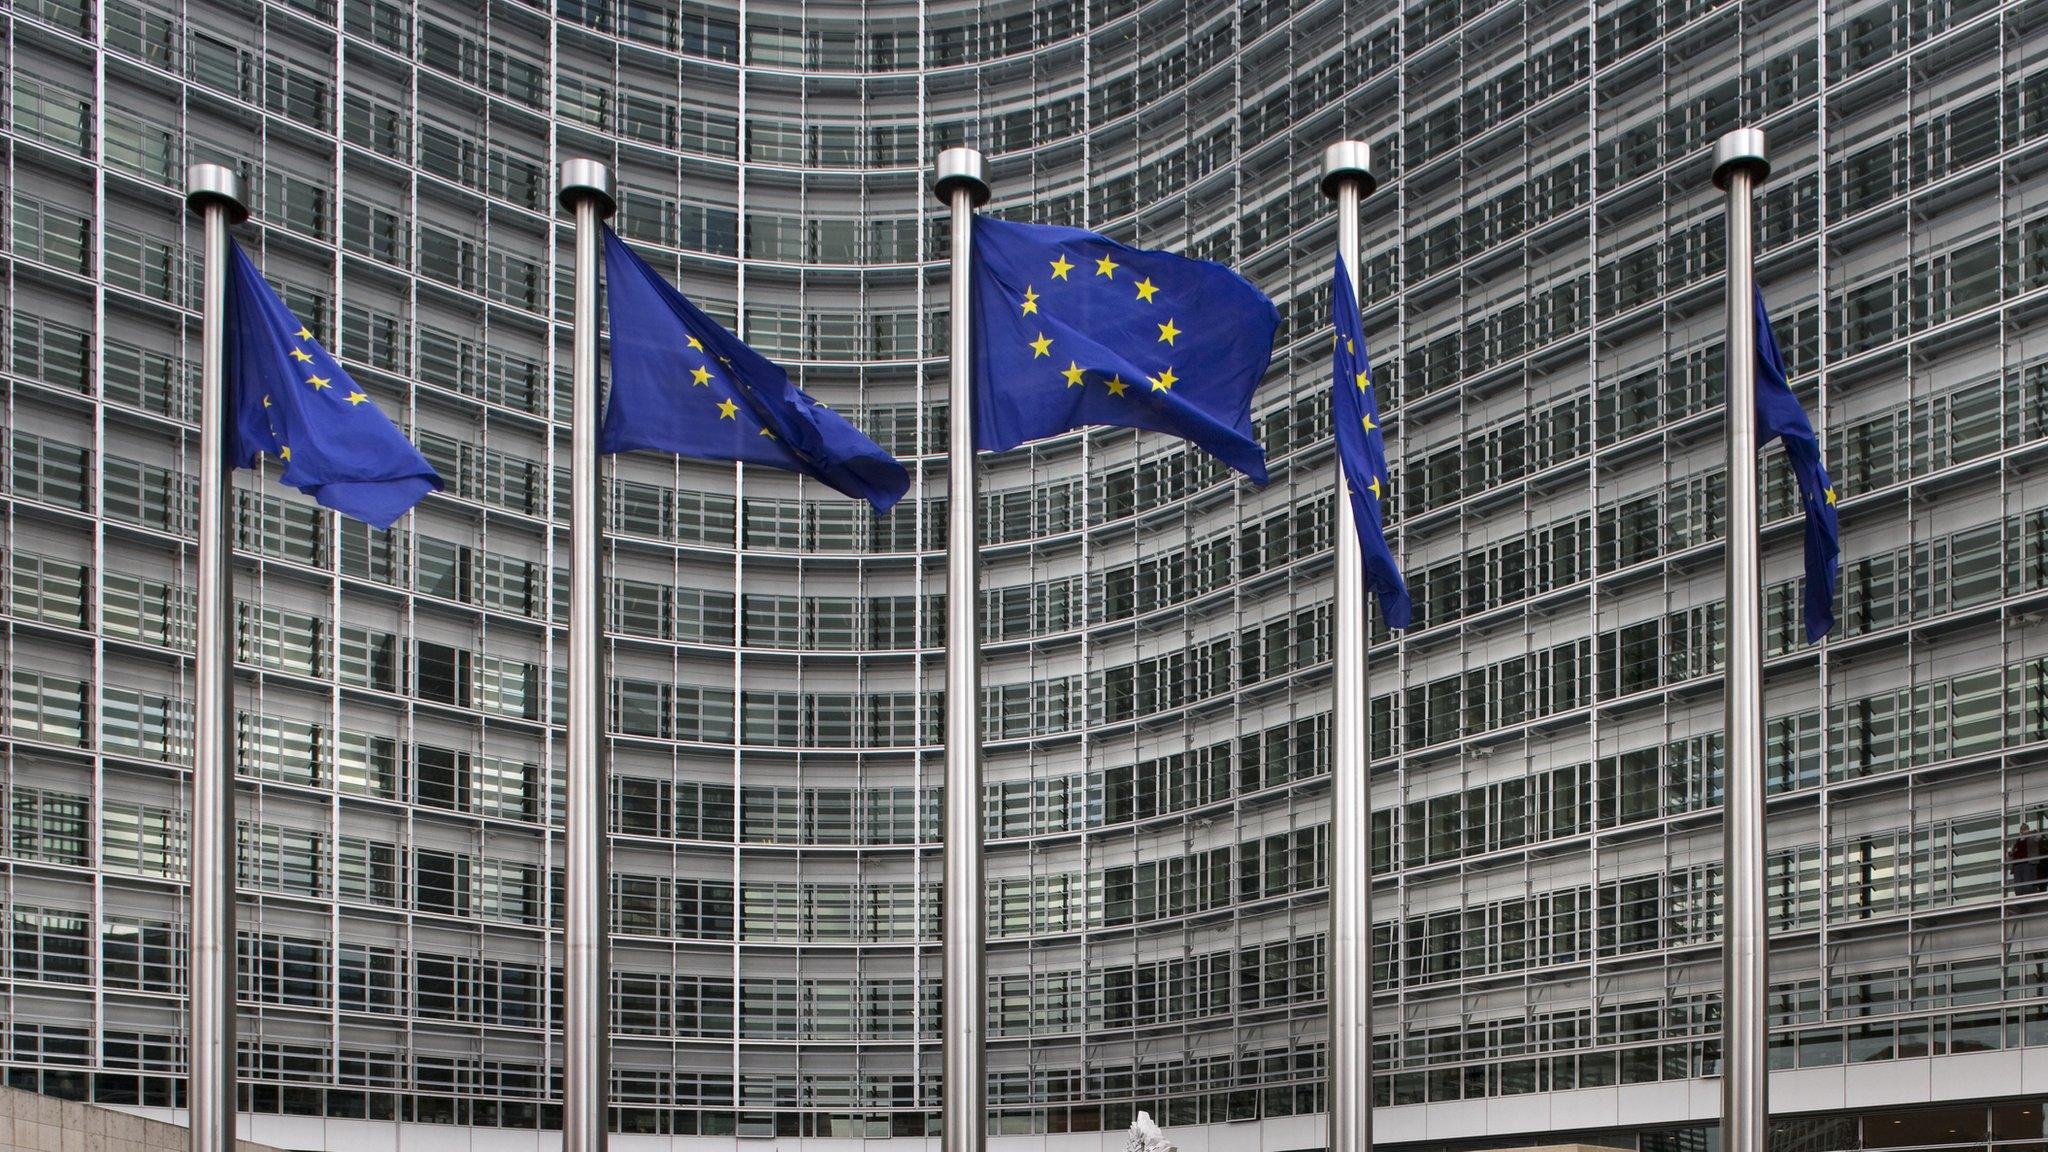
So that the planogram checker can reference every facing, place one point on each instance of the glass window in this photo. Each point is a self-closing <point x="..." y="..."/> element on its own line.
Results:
<point x="49" y="826"/>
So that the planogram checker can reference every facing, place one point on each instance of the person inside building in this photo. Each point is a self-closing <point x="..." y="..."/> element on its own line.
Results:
<point x="2023" y="861"/>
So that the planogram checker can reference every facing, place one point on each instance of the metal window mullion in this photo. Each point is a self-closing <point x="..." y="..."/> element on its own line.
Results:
<point x="1396" y="750"/>
<point x="1590" y="549"/>
<point x="333" y="532"/>
<point x="741" y="140"/>
<point x="94" y="593"/>
<point x="922" y="1028"/>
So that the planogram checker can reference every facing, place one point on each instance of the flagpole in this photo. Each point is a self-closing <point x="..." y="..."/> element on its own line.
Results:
<point x="1347" y="178"/>
<point x="1740" y="164"/>
<point x="217" y="195"/>
<point x="586" y="191"/>
<point x="959" y="180"/>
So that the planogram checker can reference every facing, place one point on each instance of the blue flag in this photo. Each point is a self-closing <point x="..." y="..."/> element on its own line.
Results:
<point x="1779" y="415"/>
<point x="1072" y="328"/>
<point x="290" y="399"/>
<point x="1363" y="451"/>
<point x="681" y="383"/>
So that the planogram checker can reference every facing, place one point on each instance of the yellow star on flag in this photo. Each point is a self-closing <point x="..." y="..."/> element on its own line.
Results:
<point x="1060" y="268"/>
<point x="1375" y="487"/>
<point x="303" y="333"/>
<point x="1106" y="267"/>
<point x="266" y="401"/>
<point x="1117" y="386"/>
<point x="301" y="355"/>
<point x="696" y="345"/>
<point x="1831" y="497"/>
<point x="284" y="451"/>
<point x="1073" y="374"/>
<point x="1164" y="382"/>
<point x="1369" y="425"/>
<point x="727" y="410"/>
<point x="1041" y="346"/>
<point x="319" y="382"/>
<point x="1363" y="382"/>
<point x="356" y="398"/>
<point x="1349" y="347"/>
<point x="1167" y="332"/>
<point x="700" y="375"/>
<point x="767" y="433"/>
<point x="1030" y="300"/>
<point x="1147" y="289"/>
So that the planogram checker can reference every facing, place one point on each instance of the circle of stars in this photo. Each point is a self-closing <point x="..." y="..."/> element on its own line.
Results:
<point x="1074" y="374"/>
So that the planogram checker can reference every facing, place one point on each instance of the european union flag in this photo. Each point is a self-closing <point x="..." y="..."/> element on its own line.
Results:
<point x="681" y="383"/>
<point x="291" y="399"/>
<point x="1363" y="450"/>
<point x="1779" y="415"/>
<point x="1072" y="328"/>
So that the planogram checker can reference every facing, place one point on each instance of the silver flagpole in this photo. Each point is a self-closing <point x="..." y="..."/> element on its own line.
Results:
<point x="1740" y="164"/>
<point x="959" y="181"/>
<point x="218" y="195"/>
<point x="586" y="1022"/>
<point x="1348" y="179"/>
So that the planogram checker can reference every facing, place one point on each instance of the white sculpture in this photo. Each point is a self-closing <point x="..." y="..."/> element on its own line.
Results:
<point x="1146" y="1136"/>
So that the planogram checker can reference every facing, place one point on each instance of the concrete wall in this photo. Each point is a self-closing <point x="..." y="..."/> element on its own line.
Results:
<point x="33" y="1123"/>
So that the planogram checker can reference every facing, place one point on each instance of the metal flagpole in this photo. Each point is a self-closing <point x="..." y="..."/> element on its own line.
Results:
<point x="217" y="194"/>
<point x="1348" y="179"/>
<point x="1740" y="164"/>
<point x="586" y="191"/>
<point x="959" y="181"/>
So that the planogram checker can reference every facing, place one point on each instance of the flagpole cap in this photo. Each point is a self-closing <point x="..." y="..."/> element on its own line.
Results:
<point x="957" y="169"/>
<point x="209" y="184"/>
<point x="1740" y="150"/>
<point x="583" y="178"/>
<point x="1348" y="160"/>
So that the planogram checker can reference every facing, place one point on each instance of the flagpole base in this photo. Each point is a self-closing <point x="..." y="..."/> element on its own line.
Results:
<point x="209" y="184"/>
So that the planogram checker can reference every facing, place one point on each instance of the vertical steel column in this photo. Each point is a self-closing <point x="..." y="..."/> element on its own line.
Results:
<point x="1740" y="164"/>
<point x="217" y="194"/>
<point x="1347" y="178"/>
<point x="958" y="180"/>
<point x="586" y="191"/>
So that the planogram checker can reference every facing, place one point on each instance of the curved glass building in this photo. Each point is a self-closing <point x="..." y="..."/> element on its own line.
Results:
<point x="1541" y="284"/>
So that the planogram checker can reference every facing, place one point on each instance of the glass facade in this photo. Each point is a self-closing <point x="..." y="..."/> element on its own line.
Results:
<point x="1542" y="290"/>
